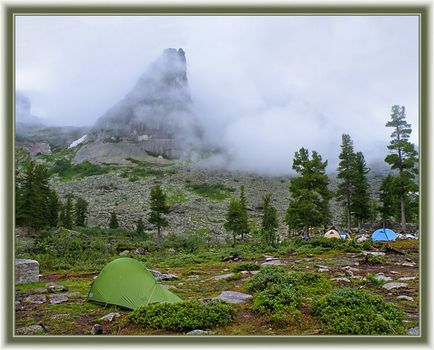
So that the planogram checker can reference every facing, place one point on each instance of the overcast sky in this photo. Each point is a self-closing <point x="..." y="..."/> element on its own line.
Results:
<point x="263" y="86"/>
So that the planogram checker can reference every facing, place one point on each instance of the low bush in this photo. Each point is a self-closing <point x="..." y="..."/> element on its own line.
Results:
<point x="212" y="191"/>
<point x="246" y="267"/>
<point x="374" y="260"/>
<point x="268" y="275"/>
<point x="183" y="316"/>
<point x="275" y="298"/>
<point x="354" y="311"/>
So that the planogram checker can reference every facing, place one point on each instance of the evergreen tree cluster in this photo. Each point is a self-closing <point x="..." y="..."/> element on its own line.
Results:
<point x="38" y="206"/>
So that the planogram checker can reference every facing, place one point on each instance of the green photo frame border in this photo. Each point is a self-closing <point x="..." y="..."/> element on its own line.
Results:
<point x="424" y="13"/>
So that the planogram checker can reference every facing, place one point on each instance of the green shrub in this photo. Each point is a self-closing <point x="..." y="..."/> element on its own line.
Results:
<point x="374" y="260"/>
<point x="275" y="298"/>
<point x="268" y="275"/>
<point x="354" y="311"/>
<point x="288" y="315"/>
<point x="183" y="316"/>
<point x="246" y="267"/>
<point x="212" y="191"/>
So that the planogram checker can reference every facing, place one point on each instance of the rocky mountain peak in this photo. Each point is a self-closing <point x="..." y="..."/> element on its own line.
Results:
<point x="156" y="115"/>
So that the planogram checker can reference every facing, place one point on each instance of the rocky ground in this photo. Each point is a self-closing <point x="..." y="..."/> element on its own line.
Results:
<point x="129" y="197"/>
<point x="57" y="304"/>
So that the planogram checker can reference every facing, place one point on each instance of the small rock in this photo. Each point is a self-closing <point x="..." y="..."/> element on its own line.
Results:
<point x="413" y="331"/>
<point x="36" y="299"/>
<point x="140" y="250"/>
<point x="96" y="329"/>
<point x="193" y="277"/>
<point x="405" y="297"/>
<point x="407" y="278"/>
<point x="29" y="330"/>
<point x="380" y="276"/>
<point x="197" y="332"/>
<point x="341" y="279"/>
<point x="59" y="316"/>
<point x="374" y="253"/>
<point x="408" y="264"/>
<point x="220" y="277"/>
<point x="322" y="266"/>
<point x="54" y="287"/>
<point x="72" y="294"/>
<point x="394" y="272"/>
<point x="125" y="252"/>
<point x="159" y="276"/>
<point x="233" y="297"/>
<point x="272" y="262"/>
<point x="356" y="264"/>
<point x="58" y="298"/>
<point x="393" y="285"/>
<point x="38" y="291"/>
<point x="323" y="270"/>
<point x="110" y="317"/>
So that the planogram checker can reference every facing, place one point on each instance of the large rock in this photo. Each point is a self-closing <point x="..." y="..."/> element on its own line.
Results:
<point x="57" y="298"/>
<point x="110" y="317"/>
<point x="34" y="329"/>
<point x="26" y="271"/>
<point x="36" y="299"/>
<point x="197" y="332"/>
<point x="159" y="276"/>
<point x="394" y="285"/>
<point x="233" y="297"/>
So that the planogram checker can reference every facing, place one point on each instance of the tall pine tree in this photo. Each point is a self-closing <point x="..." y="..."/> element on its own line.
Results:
<point x="243" y="212"/>
<point x="159" y="208"/>
<point x="403" y="159"/>
<point x="234" y="220"/>
<point x="269" y="221"/>
<point x="309" y="203"/>
<point x="68" y="212"/>
<point x="348" y="176"/>
<point x="53" y="209"/>
<point x="81" y="211"/>
<point x="113" y="223"/>
<point x="361" y="201"/>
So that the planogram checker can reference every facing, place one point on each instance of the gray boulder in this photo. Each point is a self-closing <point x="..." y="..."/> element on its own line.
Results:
<point x="96" y="329"/>
<point x="57" y="298"/>
<point x="233" y="297"/>
<point x="393" y="285"/>
<point x="110" y="317"/>
<point x="26" y="271"/>
<point x="30" y="330"/>
<point x="197" y="332"/>
<point x="36" y="299"/>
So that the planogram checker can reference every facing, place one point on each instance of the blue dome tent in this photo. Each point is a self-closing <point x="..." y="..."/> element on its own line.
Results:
<point x="384" y="234"/>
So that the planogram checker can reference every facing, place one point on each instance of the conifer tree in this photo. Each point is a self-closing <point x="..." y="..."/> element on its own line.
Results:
<point x="53" y="209"/>
<point x="243" y="212"/>
<point x="159" y="207"/>
<point x="403" y="159"/>
<point x="347" y="174"/>
<point x="140" y="229"/>
<point x="269" y="221"/>
<point x="113" y="223"/>
<point x="81" y="211"/>
<point x="234" y="220"/>
<point x="30" y="211"/>
<point x="361" y="202"/>
<point x="68" y="212"/>
<point x="309" y="203"/>
<point x="389" y="198"/>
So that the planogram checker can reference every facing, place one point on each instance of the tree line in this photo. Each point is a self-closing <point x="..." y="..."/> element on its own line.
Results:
<point x="38" y="206"/>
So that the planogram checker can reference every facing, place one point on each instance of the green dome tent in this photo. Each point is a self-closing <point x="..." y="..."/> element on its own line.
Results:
<point x="126" y="282"/>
